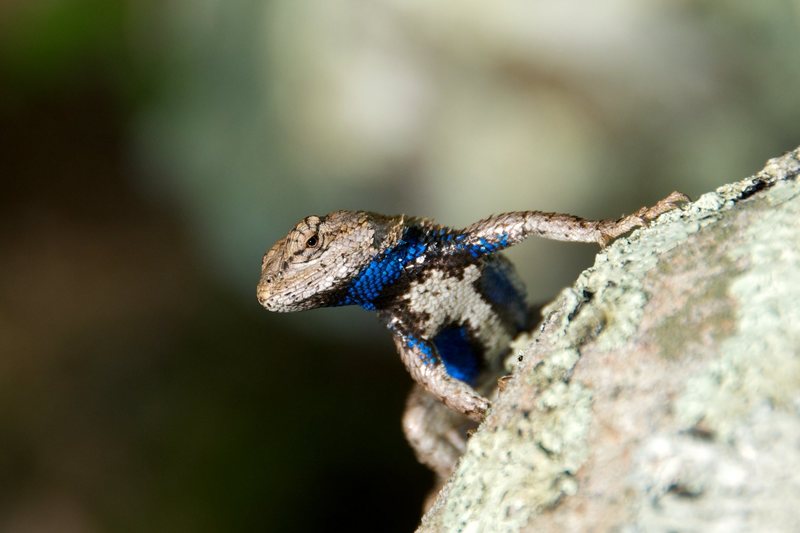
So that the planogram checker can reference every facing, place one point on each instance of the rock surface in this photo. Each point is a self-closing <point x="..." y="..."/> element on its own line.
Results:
<point x="662" y="391"/>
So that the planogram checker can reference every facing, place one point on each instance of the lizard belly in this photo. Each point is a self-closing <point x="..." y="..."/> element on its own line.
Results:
<point x="461" y="323"/>
<point x="462" y="357"/>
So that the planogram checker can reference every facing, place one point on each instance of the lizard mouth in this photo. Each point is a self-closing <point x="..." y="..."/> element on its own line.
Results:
<point x="273" y="299"/>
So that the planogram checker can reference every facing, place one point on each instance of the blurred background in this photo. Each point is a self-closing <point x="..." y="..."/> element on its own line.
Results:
<point x="151" y="151"/>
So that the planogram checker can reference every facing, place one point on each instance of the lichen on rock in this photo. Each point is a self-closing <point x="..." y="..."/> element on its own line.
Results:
<point x="662" y="390"/>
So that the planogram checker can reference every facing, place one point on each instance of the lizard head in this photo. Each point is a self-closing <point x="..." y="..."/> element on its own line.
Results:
<point x="313" y="265"/>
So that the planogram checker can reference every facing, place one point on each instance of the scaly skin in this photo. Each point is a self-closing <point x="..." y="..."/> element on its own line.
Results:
<point x="452" y="303"/>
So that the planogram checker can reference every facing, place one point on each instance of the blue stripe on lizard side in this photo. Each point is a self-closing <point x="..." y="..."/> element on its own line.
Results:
<point x="497" y="285"/>
<point x="387" y="268"/>
<point x="484" y="246"/>
<point x="457" y="354"/>
<point x="428" y="357"/>
<point x="384" y="270"/>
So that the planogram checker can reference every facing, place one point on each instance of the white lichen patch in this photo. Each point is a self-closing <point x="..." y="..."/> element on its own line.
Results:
<point x="530" y="466"/>
<point x="749" y="483"/>
<point x="761" y="359"/>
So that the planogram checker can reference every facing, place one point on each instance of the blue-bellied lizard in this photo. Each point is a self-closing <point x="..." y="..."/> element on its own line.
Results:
<point x="452" y="303"/>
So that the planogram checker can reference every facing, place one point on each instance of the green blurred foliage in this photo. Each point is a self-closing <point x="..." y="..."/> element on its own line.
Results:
<point x="46" y="44"/>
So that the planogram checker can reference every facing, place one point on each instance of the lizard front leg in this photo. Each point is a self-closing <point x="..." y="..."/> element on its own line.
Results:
<point x="500" y="231"/>
<point x="426" y="368"/>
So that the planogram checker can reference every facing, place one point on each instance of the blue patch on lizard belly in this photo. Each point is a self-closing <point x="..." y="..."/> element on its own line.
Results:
<point x="457" y="353"/>
<point x="501" y="287"/>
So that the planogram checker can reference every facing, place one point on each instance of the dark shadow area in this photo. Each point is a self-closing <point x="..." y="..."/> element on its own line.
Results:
<point x="137" y="394"/>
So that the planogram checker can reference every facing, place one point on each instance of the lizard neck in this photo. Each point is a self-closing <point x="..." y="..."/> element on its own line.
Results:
<point x="375" y="286"/>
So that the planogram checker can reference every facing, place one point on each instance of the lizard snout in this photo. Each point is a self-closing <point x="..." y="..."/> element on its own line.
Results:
<point x="263" y="291"/>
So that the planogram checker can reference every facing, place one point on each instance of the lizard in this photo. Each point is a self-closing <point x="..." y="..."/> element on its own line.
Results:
<point x="452" y="302"/>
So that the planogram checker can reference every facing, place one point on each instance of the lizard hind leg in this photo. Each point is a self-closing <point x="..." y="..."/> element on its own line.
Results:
<point x="437" y="434"/>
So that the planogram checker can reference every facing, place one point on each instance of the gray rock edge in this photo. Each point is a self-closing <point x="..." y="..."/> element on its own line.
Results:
<point x="522" y="462"/>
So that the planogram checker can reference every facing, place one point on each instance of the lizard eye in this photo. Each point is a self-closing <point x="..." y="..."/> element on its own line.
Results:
<point x="305" y="240"/>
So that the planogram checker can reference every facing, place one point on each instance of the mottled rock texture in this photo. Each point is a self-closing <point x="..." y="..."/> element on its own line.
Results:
<point x="662" y="391"/>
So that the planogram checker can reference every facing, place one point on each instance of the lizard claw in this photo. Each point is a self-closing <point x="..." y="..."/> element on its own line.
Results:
<point x="502" y="382"/>
<point x="640" y="218"/>
<point x="670" y="202"/>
